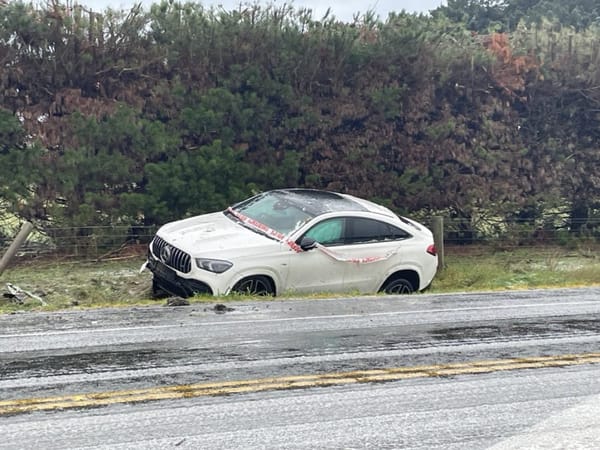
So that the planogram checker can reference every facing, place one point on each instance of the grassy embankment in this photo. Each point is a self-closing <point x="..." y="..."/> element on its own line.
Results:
<point x="67" y="284"/>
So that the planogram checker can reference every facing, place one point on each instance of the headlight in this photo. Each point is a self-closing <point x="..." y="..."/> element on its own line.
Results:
<point x="213" y="265"/>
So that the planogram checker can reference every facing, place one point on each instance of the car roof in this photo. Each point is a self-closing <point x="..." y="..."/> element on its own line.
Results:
<point x="322" y="202"/>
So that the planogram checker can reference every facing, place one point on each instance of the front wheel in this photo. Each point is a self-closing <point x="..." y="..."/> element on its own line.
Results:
<point x="398" y="286"/>
<point x="257" y="285"/>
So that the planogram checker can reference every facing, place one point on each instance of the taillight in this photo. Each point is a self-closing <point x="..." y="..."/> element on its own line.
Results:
<point x="431" y="250"/>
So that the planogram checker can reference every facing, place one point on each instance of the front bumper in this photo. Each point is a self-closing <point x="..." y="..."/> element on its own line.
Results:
<point x="167" y="280"/>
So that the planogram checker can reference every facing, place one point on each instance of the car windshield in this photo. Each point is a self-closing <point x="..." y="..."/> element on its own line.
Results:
<point x="277" y="210"/>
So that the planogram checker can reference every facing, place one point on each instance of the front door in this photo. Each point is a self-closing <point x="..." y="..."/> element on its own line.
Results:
<point x="315" y="270"/>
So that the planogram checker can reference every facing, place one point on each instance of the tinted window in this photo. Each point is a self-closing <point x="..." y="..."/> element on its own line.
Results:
<point x="328" y="232"/>
<point x="354" y="230"/>
<point x="359" y="230"/>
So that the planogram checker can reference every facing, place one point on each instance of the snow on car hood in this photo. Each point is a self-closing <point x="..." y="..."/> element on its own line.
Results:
<point x="211" y="232"/>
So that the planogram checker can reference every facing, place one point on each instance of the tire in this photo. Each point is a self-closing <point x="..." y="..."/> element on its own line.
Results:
<point x="257" y="285"/>
<point x="398" y="286"/>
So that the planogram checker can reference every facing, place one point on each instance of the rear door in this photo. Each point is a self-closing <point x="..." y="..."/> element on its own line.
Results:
<point x="372" y="248"/>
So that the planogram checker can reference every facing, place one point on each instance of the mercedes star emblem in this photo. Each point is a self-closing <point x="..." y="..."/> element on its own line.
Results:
<point x="165" y="253"/>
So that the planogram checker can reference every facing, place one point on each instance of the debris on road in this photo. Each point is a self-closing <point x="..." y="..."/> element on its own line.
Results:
<point x="177" y="301"/>
<point x="222" y="309"/>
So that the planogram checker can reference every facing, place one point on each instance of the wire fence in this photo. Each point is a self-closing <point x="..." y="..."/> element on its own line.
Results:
<point x="111" y="242"/>
<point x="553" y="231"/>
<point x="91" y="242"/>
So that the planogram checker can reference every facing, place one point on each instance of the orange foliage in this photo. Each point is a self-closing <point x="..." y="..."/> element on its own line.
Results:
<point x="511" y="70"/>
<point x="498" y="44"/>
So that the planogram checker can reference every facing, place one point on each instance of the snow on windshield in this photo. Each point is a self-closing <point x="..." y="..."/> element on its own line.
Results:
<point x="286" y="210"/>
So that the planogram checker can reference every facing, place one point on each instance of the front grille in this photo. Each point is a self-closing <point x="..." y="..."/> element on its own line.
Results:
<point x="171" y="256"/>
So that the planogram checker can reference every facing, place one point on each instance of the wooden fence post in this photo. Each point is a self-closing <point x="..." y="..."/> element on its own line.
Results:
<point x="438" y="239"/>
<point x="26" y="228"/>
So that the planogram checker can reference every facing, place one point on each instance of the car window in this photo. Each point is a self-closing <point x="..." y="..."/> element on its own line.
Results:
<point x="361" y="230"/>
<point x="328" y="232"/>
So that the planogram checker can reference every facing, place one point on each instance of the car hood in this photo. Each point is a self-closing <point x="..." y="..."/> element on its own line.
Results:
<point x="211" y="232"/>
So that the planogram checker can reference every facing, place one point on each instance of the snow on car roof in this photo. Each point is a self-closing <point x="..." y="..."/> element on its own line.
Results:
<point x="320" y="202"/>
<point x="314" y="202"/>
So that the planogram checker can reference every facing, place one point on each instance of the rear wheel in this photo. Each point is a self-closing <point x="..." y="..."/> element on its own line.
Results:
<point x="257" y="285"/>
<point x="398" y="286"/>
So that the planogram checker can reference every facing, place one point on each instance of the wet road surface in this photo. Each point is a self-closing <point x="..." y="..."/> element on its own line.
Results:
<point x="73" y="353"/>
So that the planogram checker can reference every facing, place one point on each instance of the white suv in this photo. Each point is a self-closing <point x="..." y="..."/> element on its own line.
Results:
<point x="293" y="241"/>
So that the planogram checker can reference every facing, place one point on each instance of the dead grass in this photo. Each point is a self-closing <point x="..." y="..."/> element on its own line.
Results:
<point x="67" y="284"/>
<point x="518" y="268"/>
<point x="81" y="284"/>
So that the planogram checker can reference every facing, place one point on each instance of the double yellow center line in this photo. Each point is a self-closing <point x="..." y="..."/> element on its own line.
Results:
<point x="18" y="406"/>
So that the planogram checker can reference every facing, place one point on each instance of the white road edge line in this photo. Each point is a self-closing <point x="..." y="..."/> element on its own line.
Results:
<point x="304" y="318"/>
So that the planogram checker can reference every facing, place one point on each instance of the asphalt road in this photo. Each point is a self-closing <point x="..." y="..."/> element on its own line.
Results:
<point x="502" y="370"/>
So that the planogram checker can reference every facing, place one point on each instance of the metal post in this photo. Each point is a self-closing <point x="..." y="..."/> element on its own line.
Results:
<point x="438" y="239"/>
<point x="26" y="228"/>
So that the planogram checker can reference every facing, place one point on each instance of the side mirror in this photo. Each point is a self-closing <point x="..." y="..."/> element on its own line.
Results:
<point x="307" y="243"/>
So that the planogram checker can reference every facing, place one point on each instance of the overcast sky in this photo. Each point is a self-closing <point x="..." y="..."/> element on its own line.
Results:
<point x="342" y="9"/>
